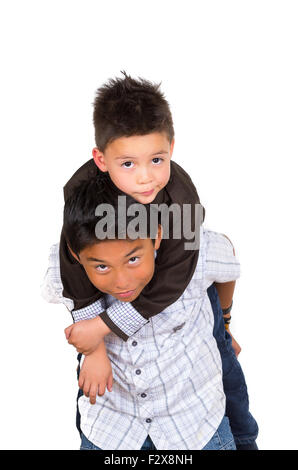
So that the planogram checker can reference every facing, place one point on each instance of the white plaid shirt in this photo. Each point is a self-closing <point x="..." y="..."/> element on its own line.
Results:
<point x="168" y="375"/>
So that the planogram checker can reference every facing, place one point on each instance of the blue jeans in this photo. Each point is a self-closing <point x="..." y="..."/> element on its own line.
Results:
<point x="221" y="440"/>
<point x="244" y="426"/>
<point x="88" y="445"/>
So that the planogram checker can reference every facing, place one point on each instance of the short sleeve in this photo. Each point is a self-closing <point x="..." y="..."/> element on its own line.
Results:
<point x="51" y="288"/>
<point x="221" y="265"/>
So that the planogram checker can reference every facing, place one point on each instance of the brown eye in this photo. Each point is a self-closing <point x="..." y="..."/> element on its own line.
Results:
<point x="127" y="164"/>
<point x="101" y="267"/>
<point x="134" y="259"/>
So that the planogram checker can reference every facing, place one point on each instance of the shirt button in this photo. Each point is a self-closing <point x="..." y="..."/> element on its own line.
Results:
<point x="134" y="343"/>
<point x="138" y="371"/>
<point x="143" y="395"/>
<point x="148" y="420"/>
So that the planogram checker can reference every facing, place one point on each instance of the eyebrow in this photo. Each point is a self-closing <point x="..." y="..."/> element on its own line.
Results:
<point x="103" y="261"/>
<point x="128" y="156"/>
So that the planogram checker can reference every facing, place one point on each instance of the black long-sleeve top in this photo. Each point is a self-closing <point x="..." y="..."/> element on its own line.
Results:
<point x="174" y="266"/>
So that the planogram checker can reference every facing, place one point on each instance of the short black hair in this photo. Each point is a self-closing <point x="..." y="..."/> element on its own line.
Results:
<point x="125" y="107"/>
<point x="79" y="219"/>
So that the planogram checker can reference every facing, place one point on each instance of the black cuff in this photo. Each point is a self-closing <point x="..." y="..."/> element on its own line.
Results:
<point x="104" y="316"/>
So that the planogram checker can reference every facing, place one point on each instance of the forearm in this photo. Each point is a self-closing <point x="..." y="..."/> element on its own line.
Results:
<point x="96" y="373"/>
<point x="225" y="292"/>
<point x="86" y="335"/>
<point x="99" y="351"/>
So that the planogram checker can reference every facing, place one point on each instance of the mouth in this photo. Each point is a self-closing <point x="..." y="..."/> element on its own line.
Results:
<point x="127" y="293"/>
<point x="147" y="193"/>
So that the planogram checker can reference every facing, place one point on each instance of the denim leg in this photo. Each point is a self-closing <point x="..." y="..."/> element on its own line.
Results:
<point x="223" y="438"/>
<point x="251" y="446"/>
<point x="88" y="445"/>
<point x="244" y="426"/>
<point x="148" y="444"/>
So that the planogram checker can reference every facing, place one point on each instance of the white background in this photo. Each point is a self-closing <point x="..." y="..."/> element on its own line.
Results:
<point x="229" y="70"/>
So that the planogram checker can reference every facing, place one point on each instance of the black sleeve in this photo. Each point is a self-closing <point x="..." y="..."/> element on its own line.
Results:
<point x="76" y="285"/>
<point x="174" y="266"/>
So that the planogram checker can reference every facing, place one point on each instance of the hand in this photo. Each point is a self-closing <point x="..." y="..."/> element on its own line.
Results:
<point x="86" y="335"/>
<point x="96" y="374"/>
<point x="235" y="345"/>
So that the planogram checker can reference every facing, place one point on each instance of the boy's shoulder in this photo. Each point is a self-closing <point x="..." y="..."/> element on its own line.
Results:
<point x="181" y="189"/>
<point x="180" y="186"/>
<point x="84" y="173"/>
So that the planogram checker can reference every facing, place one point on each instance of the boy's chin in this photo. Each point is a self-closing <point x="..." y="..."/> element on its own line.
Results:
<point x="145" y="200"/>
<point x="127" y="299"/>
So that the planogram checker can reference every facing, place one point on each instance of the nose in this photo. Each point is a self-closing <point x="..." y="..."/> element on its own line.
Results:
<point x="122" y="281"/>
<point x="144" y="176"/>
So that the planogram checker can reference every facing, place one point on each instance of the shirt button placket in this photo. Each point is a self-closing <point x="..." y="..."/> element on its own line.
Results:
<point x="140" y="383"/>
<point x="134" y="351"/>
<point x="145" y="406"/>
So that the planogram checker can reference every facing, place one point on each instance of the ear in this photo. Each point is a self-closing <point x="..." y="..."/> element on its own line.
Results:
<point x="172" y="147"/>
<point x="99" y="160"/>
<point x="73" y="254"/>
<point x="158" y="237"/>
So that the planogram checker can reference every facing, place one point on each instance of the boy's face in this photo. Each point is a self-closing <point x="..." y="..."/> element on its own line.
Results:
<point x="138" y="165"/>
<point x="121" y="268"/>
